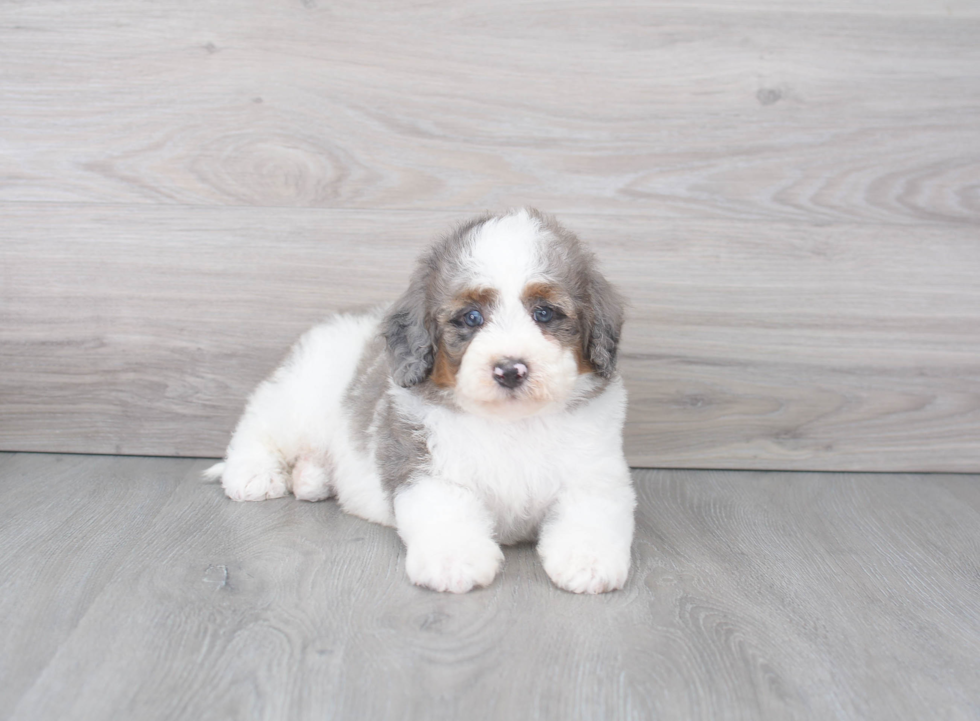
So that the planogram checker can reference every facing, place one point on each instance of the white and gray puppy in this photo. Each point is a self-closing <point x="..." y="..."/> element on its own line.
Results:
<point x="482" y="408"/>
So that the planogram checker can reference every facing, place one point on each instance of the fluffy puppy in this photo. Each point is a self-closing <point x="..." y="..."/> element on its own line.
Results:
<point x="482" y="408"/>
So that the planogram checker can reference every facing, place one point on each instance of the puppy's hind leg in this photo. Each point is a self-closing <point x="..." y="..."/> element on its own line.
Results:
<point x="310" y="477"/>
<point x="254" y="474"/>
<point x="258" y="458"/>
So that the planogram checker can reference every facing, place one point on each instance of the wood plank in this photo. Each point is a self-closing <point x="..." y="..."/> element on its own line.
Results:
<point x="66" y="526"/>
<point x="753" y="595"/>
<point x="141" y="330"/>
<point x="697" y="142"/>
<point x="834" y="111"/>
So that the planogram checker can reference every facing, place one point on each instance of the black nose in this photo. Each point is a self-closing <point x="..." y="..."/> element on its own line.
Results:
<point x="510" y="373"/>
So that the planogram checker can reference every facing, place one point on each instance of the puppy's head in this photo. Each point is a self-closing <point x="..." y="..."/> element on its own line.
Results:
<point x="506" y="317"/>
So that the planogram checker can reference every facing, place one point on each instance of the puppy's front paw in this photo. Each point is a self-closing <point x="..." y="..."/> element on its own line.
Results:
<point x="310" y="480"/>
<point x="454" y="566"/>
<point x="586" y="565"/>
<point x="253" y="481"/>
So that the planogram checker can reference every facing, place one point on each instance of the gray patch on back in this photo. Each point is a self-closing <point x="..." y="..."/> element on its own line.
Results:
<point x="399" y="446"/>
<point x="402" y="452"/>
<point x="366" y="390"/>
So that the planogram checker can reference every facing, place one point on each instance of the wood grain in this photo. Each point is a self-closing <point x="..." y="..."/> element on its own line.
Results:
<point x="814" y="112"/>
<point x="789" y="194"/>
<point x="132" y="590"/>
<point x="142" y="330"/>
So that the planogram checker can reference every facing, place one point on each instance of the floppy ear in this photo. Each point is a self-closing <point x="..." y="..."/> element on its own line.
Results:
<point x="603" y="324"/>
<point x="407" y="335"/>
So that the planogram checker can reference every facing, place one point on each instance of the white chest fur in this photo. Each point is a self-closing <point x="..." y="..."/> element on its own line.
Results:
<point x="518" y="468"/>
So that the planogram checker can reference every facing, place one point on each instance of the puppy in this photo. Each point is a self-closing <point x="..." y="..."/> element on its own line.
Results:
<point x="482" y="408"/>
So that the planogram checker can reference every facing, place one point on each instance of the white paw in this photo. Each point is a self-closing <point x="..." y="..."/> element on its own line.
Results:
<point x="454" y="567"/>
<point x="310" y="480"/>
<point x="253" y="482"/>
<point x="581" y="566"/>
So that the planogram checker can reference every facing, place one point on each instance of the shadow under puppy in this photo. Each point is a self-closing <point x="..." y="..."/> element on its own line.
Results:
<point x="482" y="408"/>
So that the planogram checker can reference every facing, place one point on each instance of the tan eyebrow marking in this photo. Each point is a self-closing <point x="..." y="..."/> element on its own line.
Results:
<point x="551" y="294"/>
<point x="479" y="296"/>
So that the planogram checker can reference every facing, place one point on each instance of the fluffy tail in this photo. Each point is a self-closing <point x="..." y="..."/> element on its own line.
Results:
<point x="214" y="473"/>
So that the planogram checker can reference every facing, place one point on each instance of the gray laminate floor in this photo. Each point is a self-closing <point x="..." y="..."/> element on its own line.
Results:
<point x="131" y="590"/>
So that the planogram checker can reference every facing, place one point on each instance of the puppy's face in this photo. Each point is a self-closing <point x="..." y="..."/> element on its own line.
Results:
<point x="506" y="318"/>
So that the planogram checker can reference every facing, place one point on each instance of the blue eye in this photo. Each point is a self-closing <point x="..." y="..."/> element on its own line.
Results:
<point x="543" y="315"/>
<point x="473" y="318"/>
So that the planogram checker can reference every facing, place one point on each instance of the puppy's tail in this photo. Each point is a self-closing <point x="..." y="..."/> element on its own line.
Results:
<point x="214" y="473"/>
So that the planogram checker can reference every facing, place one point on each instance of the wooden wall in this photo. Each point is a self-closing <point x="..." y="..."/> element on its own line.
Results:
<point x="788" y="193"/>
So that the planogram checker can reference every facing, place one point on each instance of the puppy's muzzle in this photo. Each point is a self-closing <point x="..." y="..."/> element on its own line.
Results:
<point x="510" y="373"/>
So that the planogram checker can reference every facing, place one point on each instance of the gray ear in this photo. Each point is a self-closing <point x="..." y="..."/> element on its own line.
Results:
<point x="604" y="323"/>
<point x="409" y="341"/>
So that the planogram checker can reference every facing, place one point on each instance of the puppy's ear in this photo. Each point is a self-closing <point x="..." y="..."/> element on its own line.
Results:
<point x="603" y="325"/>
<point x="409" y="341"/>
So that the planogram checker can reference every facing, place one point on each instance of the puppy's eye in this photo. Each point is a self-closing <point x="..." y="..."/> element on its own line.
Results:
<point x="473" y="319"/>
<point x="543" y="314"/>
